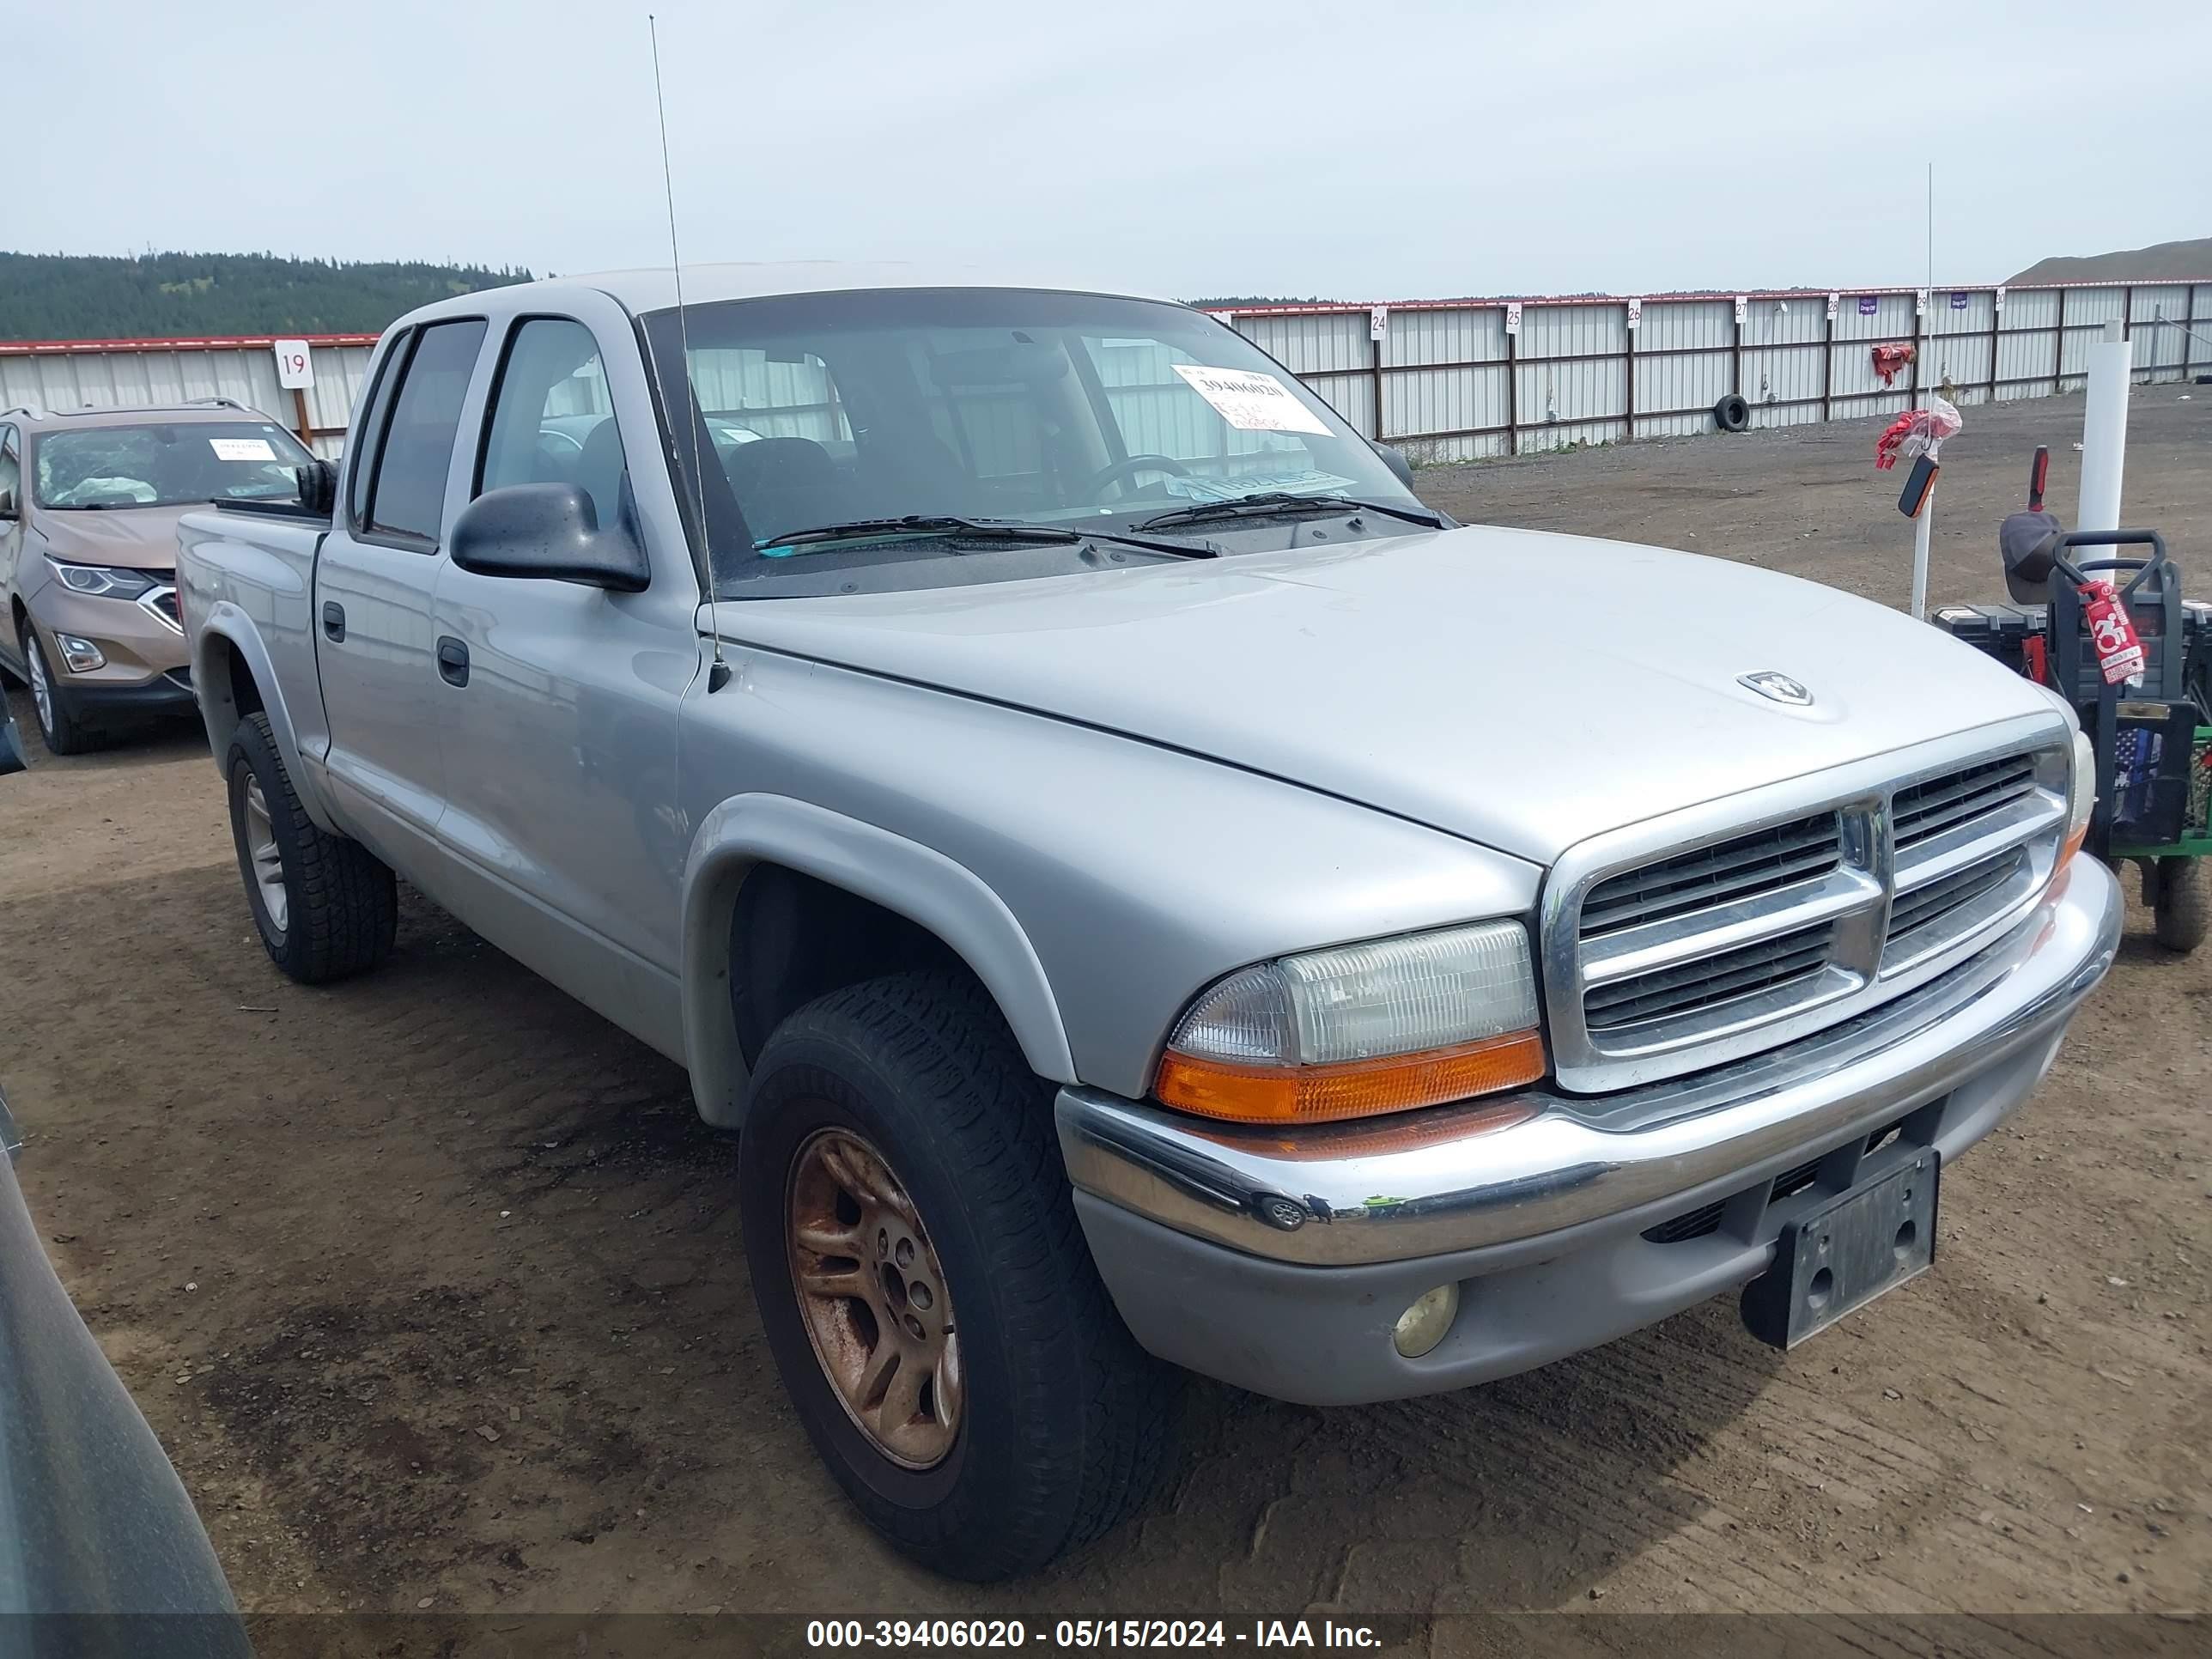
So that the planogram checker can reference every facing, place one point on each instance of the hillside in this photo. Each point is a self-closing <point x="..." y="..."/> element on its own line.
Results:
<point x="69" y="296"/>
<point x="2163" y="262"/>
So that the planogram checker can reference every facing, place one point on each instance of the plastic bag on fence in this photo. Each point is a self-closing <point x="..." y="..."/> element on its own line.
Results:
<point x="1916" y="433"/>
<point x="1890" y="360"/>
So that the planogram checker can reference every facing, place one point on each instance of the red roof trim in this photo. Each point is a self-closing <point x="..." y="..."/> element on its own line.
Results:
<point x="209" y="343"/>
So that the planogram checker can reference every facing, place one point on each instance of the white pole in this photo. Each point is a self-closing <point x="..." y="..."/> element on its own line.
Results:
<point x="2104" y="438"/>
<point x="1921" y="528"/>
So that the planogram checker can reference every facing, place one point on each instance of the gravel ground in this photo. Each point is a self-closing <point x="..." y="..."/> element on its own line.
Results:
<point x="432" y="1284"/>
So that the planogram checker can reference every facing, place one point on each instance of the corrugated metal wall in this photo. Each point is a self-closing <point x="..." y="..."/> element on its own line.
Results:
<point x="102" y="375"/>
<point x="1449" y="380"/>
<point x="1454" y="382"/>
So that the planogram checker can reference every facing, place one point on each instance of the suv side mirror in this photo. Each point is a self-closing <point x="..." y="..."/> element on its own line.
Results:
<point x="1395" y="459"/>
<point x="549" y="531"/>
<point x="6" y="503"/>
<point x="318" y="484"/>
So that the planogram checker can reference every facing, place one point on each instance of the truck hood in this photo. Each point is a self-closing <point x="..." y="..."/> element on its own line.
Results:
<point x="131" y="537"/>
<point x="1522" y="689"/>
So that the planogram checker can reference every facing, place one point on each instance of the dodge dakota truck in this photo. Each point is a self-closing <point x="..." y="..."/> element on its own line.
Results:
<point x="1151" y="894"/>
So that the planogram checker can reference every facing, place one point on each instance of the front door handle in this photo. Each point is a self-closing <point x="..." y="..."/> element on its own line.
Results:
<point x="452" y="660"/>
<point x="333" y="620"/>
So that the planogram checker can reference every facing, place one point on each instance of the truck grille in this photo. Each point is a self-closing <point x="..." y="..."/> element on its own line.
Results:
<point x="1710" y="982"/>
<point x="1662" y="959"/>
<point x="1712" y="875"/>
<point x="1928" y="808"/>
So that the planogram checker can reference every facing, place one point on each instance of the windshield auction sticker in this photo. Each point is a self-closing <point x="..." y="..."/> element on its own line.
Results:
<point x="1251" y="400"/>
<point x="241" y="449"/>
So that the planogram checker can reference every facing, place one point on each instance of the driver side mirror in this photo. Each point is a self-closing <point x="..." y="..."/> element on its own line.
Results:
<point x="549" y="531"/>
<point x="1395" y="459"/>
<point x="6" y="504"/>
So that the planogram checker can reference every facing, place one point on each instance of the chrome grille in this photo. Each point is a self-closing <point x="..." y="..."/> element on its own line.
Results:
<point x="1929" y="808"/>
<point x="1689" y="941"/>
<point x="1712" y="875"/>
<point x="1746" y="971"/>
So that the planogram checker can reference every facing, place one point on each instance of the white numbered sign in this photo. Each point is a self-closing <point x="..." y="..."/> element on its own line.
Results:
<point x="1742" y="304"/>
<point x="1635" y="315"/>
<point x="294" y="367"/>
<point x="1512" y="319"/>
<point x="1378" y="322"/>
<point x="1834" y="300"/>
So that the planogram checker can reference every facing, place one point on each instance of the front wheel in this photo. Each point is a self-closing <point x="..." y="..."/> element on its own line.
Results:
<point x="925" y="1285"/>
<point x="59" y="728"/>
<point x="324" y="905"/>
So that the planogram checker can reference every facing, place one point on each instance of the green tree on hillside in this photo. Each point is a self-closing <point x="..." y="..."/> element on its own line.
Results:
<point x="67" y="296"/>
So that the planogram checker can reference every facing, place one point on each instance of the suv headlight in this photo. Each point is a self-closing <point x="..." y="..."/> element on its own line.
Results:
<point x="1362" y="1029"/>
<point x="2080" y="796"/>
<point x="103" y="581"/>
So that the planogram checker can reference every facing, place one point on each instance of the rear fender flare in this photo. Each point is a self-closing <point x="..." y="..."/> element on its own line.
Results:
<point x="903" y="876"/>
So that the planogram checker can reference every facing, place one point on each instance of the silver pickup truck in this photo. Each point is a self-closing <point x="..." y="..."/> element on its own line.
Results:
<point x="1146" y="887"/>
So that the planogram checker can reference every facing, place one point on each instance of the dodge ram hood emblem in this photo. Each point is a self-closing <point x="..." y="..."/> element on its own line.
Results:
<point x="1780" y="687"/>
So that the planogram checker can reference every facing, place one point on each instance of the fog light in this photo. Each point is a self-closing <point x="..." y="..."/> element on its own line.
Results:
<point x="1422" y="1326"/>
<point x="81" y="655"/>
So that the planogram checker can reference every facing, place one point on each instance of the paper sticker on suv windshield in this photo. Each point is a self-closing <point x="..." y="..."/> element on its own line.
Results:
<point x="241" y="449"/>
<point x="1251" y="400"/>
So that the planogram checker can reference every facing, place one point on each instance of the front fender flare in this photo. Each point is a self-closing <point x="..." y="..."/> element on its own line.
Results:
<point x="218" y="704"/>
<point x="920" y="884"/>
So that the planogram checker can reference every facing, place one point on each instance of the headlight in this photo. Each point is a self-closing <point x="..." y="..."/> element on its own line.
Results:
<point x="2080" y="795"/>
<point x="1362" y="1029"/>
<point x="102" y="581"/>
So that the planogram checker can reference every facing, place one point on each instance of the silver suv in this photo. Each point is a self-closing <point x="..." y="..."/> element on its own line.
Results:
<point x="89" y="501"/>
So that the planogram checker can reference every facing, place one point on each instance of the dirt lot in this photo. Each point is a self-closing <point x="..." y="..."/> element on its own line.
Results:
<point x="432" y="1284"/>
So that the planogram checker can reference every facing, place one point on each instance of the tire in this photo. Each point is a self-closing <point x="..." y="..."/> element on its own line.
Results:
<point x="1065" y="1421"/>
<point x="1732" y="414"/>
<point x="2184" y="899"/>
<point x="59" y="727"/>
<point x="341" y="907"/>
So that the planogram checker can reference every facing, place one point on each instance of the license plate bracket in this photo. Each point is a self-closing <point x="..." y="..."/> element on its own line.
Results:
<point x="1839" y="1257"/>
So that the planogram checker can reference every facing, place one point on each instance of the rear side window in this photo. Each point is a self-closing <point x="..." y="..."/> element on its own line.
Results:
<point x="408" y="495"/>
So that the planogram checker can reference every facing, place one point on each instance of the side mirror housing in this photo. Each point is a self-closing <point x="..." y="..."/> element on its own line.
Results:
<point x="1395" y="459"/>
<point x="6" y="504"/>
<point x="318" y="486"/>
<point x="549" y="531"/>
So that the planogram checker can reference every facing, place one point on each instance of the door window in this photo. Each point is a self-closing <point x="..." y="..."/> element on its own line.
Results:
<point x="552" y="419"/>
<point x="11" y="468"/>
<point x="407" y="498"/>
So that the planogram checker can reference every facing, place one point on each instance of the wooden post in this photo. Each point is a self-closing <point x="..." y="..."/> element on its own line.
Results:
<point x="300" y="422"/>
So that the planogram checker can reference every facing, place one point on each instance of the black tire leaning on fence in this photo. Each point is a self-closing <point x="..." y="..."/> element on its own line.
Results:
<point x="1732" y="414"/>
<point x="340" y="905"/>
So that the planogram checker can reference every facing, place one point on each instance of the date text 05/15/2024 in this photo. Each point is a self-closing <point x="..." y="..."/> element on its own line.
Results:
<point x="1088" y="1633"/>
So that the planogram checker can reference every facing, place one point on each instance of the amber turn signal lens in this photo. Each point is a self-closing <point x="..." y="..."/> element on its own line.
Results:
<point x="2072" y="845"/>
<point x="1359" y="1088"/>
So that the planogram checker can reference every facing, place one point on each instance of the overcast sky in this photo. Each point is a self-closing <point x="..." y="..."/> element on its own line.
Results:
<point x="1393" y="148"/>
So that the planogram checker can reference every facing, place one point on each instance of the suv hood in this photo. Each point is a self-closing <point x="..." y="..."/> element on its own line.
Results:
<point x="1523" y="689"/>
<point x="134" y="538"/>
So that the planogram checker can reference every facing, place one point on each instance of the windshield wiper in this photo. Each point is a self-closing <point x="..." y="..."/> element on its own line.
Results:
<point x="948" y="524"/>
<point x="1276" y="503"/>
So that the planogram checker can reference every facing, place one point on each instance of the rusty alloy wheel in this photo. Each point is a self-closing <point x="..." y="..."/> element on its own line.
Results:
<point x="874" y="1298"/>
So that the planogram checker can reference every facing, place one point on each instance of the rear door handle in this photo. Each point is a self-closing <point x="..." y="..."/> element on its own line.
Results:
<point x="452" y="660"/>
<point x="333" y="620"/>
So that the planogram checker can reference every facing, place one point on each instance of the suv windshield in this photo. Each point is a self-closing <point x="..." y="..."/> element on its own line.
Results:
<point x="1079" y="412"/>
<point x="164" y="464"/>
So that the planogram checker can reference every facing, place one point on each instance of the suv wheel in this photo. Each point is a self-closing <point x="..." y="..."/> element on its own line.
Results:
<point x="324" y="905"/>
<point x="925" y="1285"/>
<point x="59" y="729"/>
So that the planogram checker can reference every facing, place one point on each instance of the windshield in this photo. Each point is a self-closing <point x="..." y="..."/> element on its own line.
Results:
<point x="1077" y="411"/>
<point x="166" y="463"/>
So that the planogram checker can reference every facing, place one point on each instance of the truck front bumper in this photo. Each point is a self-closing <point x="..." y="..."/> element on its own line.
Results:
<point x="1281" y="1262"/>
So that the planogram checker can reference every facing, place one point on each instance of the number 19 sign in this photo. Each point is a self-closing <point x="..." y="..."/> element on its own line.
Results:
<point x="295" y="369"/>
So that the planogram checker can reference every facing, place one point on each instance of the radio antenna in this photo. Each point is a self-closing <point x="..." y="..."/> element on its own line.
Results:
<point x="718" y="672"/>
